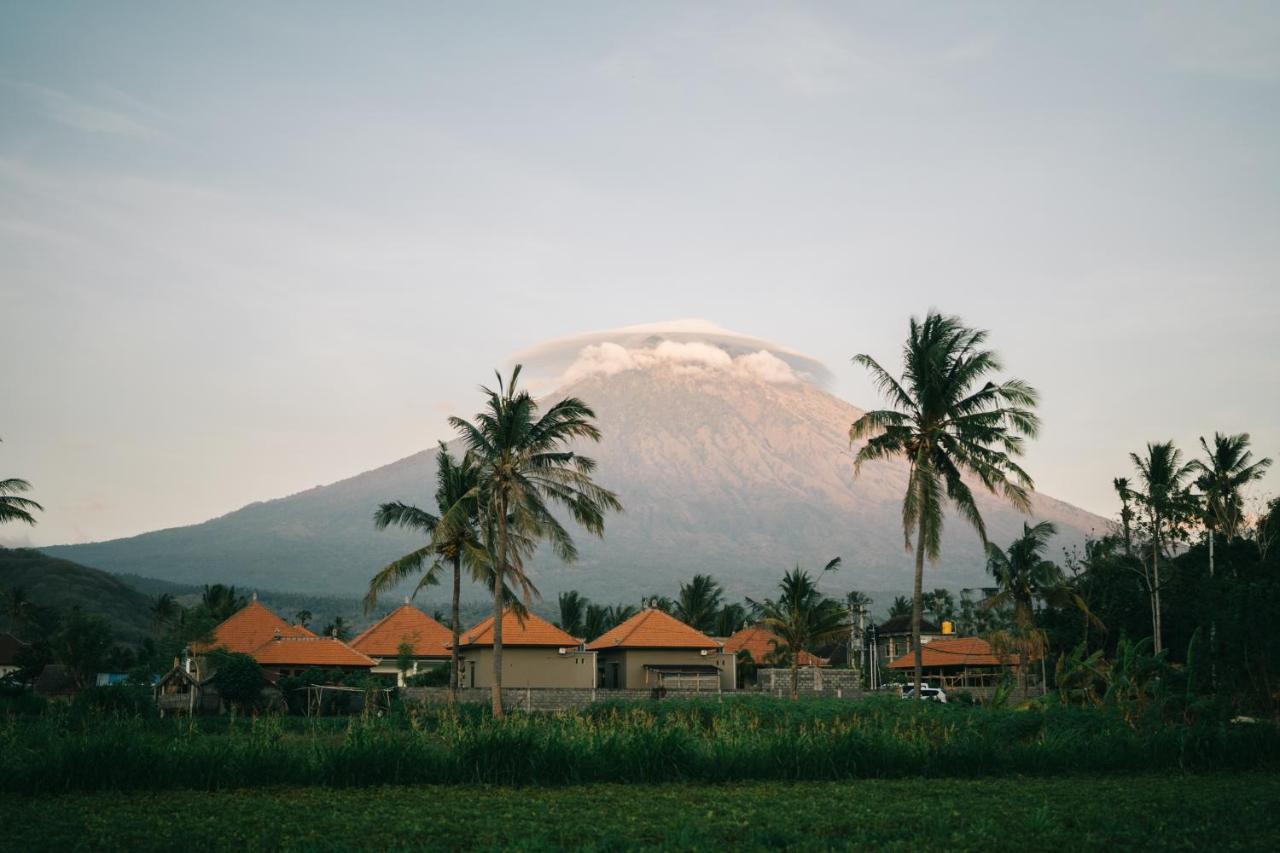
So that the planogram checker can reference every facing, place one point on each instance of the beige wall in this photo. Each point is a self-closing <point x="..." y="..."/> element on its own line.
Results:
<point x="632" y="662"/>
<point x="530" y="666"/>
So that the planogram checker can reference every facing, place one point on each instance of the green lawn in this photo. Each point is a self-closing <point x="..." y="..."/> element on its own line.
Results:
<point x="1215" y="811"/>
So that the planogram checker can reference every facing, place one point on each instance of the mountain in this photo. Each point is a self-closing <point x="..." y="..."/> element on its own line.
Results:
<point x="727" y="453"/>
<point x="62" y="584"/>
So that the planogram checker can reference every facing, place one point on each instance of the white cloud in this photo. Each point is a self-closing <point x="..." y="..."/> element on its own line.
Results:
<point x="687" y="358"/>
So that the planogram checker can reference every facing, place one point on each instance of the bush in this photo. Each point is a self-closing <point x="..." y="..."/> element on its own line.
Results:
<point x="437" y="676"/>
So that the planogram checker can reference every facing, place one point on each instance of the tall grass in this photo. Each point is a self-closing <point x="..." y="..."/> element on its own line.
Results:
<point x="700" y="741"/>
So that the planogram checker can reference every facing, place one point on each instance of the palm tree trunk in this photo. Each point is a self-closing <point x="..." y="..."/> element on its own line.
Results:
<point x="1157" y="645"/>
<point x="795" y="675"/>
<point x="498" y="586"/>
<point x="1213" y="623"/>
<point x="455" y="673"/>
<point x="917" y="607"/>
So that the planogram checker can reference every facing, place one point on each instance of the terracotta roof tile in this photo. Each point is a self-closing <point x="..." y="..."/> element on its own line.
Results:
<point x="761" y="643"/>
<point x="429" y="638"/>
<point x="962" y="651"/>
<point x="248" y="628"/>
<point x="535" y="631"/>
<point x="652" y="629"/>
<point x="309" y="651"/>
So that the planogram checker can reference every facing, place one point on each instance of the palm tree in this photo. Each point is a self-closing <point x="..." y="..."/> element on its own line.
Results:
<point x="900" y="606"/>
<point x="303" y="617"/>
<point x="657" y="602"/>
<point x="699" y="602"/>
<point x="1121" y="485"/>
<point x="941" y="605"/>
<point x="1226" y="470"/>
<point x="455" y="486"/>
<point x="1168" y="503"/>
<point x="1023" y="576"/>
<point x="596" y="620"/>
<point x="164" y="610"/>
<point x="947" y="420"/>
<point x="221" y="601"/>
<point x="14" y="508"/>
<point x="731" y="619"/>
<point x="524" y="464"/>
<point x="338" y="629"/>
<point x="572" y="608"/>
<point x="802" y="617"/>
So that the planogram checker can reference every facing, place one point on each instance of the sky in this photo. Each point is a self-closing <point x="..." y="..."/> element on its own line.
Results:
<point x="249" y="248"/>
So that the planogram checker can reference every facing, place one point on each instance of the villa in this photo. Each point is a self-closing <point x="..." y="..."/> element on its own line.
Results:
<point x="655" y="650"/>
<point x="535" y="653"/>
<point x="425" y="640"/>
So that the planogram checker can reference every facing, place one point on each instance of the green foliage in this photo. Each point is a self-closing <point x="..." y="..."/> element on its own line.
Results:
<point x="436" y="676"/>
<point x="238" y="678"/>
<point x="56" y="586"/>
<point x="83" y="644"/>
<point x="1156" y="812"/>
<point x="670" y="741"/>
<point x="698" y="603"/>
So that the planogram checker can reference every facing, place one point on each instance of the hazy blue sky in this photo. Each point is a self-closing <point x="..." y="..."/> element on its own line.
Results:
<point x="250" y="248"/>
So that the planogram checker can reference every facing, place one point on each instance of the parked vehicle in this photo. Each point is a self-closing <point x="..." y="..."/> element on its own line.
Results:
<point x="928" y="693"/>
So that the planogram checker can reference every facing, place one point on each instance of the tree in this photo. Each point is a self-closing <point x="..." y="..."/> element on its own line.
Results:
<point x="222" y="602"/>
<point x="658" y="602"/>
<point x="164" y="610"/>
<point x="525" y="464"/>
<point x="572" y="609"/>
<point x="901" y="606"/>
<point x="596" y="620"/>
<point x="404" y="657"/>
<point x="1023" y="577"/>
<point x="731" y="619"/>
<point x="1223" y="474"/>
<point x="1169" y="505"/>
<point x="1121" y="485"/>
<point x="802" y="617"/>
<point x="303" y="617"/>
<point x="238" y="677"/>
<point x="338" y="629"/>
<point x="458" y="544"/>
<point x="699" y="602"/>
<point x="947" y="419"/>
<point x="940" y="605"/>
<point x="83" y="645"/>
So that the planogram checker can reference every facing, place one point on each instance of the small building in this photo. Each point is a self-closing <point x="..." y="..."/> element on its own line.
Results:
<point x="762" y="645"/>
<point x="428" y="641"/>
<point x="11" y="649"/>
<point x="959" y="662"/>
<point x="893" y="637"/>
<point x="656" y="650"/>
<point x="281" y="656"/>
<point x="187" y="689"/>
<point x="535" y="653"/>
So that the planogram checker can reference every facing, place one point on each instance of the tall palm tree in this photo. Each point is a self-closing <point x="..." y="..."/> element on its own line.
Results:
<point x="572" y="608"/>
<point x="948" y="419"/>
<point x="221" y="601"/>
<point x="900" y="606"/>
<point x="1121" y="485"/>
<point x="802" y="618"/>
<point x="1168" y="503"/>
<point x="164" y="610"/>
<point x="731" y="619"/>
<point x="699" y="602"/>
<point x="525" y="465"/>
<point x="1225" y="471"/>
<point x="1023" y="576"/>
<point x="303" y="617"/>
<point x="455" y="486"/>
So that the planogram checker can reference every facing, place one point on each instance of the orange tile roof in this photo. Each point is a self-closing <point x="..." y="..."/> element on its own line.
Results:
<point x="761" y="644"/>
<point x="535" y="631"/>
<point x="652" y="629"/>
<point x="248" y="628"/>
<point x="962" y="651"/>
<point x="309" y="651"/>
<point x="429" y="638"/>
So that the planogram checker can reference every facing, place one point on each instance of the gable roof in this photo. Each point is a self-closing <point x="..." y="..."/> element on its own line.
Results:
<point x="652" y="629"/>
<point x="761" y="644"/>
<point x="309" y="651"/>
<point x="962" y="651"/>
<point x="902" y="625"/>
<point x="535" y="631"/>
<point x="429" y="638"/>
<point x="248" y="628"/>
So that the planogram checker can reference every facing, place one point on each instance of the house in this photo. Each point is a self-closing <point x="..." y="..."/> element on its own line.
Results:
<point x="11" y="649"/>
<point x="959" y="662"/>
<point x="535" y="653"/>
<point x="892" y="638"/>
<point x="653" y="649"/>
<point x="762" y="644"/>
<point x="248" y="629"/>
<point x="428" y="639"/>
<point x="187" y="688"/>
<point x="295" y="655"/>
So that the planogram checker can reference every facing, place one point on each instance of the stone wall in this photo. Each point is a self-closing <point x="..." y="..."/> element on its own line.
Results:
<point x="549" y="698"/>
<point x="842" y="683"/>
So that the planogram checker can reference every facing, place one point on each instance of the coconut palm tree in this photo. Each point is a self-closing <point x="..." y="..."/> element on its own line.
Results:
<point x="455" y="486"/>
<point x="13" y="507"/>
<point x="303" y="617"/>
<point x="1023" y="577"/>
<point x="572" y="608"/>
<point x="947" y="419"/>
<point x="699" y="602"/>
<point x="221" y="602"/>
<point x="731" y="619"/>
<point x="900" y="606"/>
<point x="1168" y="504"/>
<point x="802" y="618"/>
<point x="1121" y="485"/>
<point x="164" y="610"/>
<point x="1223" y="474"/>
<point x="524" y="466"/>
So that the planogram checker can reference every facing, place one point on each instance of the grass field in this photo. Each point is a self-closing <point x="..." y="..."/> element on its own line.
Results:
<point x="1214" y="811"/>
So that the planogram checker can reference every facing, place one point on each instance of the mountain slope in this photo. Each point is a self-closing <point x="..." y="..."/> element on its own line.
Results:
<point x="62" y="584"/>
<point x="726" y="458"/>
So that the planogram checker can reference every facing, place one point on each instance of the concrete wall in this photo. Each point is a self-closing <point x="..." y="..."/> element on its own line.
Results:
<point x="632" y="665"/>
<point x="811" y="679"/>
<point x="550" y="699"/>
<point x="530" y="666"/>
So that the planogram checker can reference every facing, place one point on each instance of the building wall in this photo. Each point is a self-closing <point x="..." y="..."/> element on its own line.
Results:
<point x="390" y="667"/>
<point x="530" y="666"/>
<point x="631" y="663"/>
